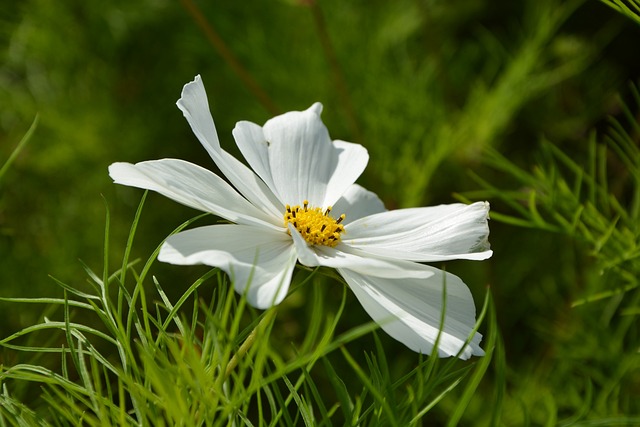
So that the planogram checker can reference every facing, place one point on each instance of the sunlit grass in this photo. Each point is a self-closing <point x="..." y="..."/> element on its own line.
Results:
<point x="126" y="357"/>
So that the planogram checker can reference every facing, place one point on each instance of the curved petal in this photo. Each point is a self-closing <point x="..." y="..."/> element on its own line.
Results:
<point x="192" y="186"/>
<point x="259" y="261"/>
<point x="300" y="156"/>
<point x="304" y="164"/>
<point x="438" y="233"/>
<point x="305" y="253"/>
<point x="254" y="147"/>
<point x="314" y="256"/>
<point x="358" y="202"/>
<point x="352" y="160"/>
<point x="195" y="106"/>
<point x="410" y="311"/>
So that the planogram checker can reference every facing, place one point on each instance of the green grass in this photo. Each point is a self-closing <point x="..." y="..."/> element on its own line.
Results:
<point x="126" y="357"/>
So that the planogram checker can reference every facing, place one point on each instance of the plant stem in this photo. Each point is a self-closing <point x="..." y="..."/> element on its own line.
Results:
<point x="223" y="50"/>
<point x="248" y="342"/>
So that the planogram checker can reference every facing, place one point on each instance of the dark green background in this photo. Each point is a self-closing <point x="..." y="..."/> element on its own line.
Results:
<point x="426" y="86"/>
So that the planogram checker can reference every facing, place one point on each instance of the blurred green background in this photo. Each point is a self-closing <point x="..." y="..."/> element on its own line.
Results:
<point x="426" y="86"/>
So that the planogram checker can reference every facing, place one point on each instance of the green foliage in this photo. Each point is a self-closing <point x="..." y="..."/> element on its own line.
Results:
<point x="25" y="139"/>
<point x="518" y="92"/>
<point x="129" y="361"/>
<point x="629" y="8"/>
<point x="573" y="197"/>
<point x="593" y="200"/>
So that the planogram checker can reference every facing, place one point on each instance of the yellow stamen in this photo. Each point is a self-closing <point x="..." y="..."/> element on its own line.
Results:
<point x="314" y="225"/>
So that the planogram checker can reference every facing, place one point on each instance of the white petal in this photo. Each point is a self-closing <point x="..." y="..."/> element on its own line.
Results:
<point x="305" y="253"/>
<point x="300" y="156"/>
<point x="259" y="261"/>
<point x="194" y="105"/>
<point x="410" y="311"/>
<point x="356" y="203"/>
<point x="304" y="163"/>
<point x="253" y="145"/>
<point x="314" y="256"/>
<point x="438" y="233"/>
<point x="192" y="186"/>
<point x="352" y="159"/>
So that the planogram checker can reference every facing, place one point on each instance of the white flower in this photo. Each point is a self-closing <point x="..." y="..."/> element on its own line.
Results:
<point x="300" y="204"/>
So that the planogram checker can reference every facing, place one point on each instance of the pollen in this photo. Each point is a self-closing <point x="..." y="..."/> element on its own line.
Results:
<point x="315" y="225"/>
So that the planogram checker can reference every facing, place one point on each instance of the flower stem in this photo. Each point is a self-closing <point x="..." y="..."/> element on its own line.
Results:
<point x="339" y="79"/>
<point x="225" y="52"/>
<point x="248" y="342"/>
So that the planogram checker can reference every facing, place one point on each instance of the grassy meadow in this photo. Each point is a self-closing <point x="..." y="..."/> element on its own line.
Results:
<point x="533" y="105"/>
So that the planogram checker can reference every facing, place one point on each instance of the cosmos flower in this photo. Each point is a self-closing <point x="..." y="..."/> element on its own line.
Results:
<point x="298" y="202"/>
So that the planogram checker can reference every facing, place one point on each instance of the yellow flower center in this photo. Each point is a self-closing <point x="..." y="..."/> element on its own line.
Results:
<point x="315" y="226"/>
